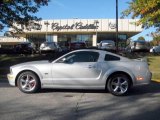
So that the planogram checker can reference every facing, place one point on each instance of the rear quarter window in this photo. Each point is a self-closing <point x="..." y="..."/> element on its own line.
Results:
<point x="111" y="58"/>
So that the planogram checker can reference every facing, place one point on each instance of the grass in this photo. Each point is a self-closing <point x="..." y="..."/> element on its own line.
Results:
<point x="154" y="66"/>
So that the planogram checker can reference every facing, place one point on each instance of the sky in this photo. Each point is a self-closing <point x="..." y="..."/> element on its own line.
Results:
<point x="86" y="9"/>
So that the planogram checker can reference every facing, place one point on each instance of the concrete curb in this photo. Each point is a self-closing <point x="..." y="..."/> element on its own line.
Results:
<point x="156" y="80"/>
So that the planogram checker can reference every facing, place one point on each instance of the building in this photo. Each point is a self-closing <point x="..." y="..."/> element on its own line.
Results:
<point x="91" y="31"/>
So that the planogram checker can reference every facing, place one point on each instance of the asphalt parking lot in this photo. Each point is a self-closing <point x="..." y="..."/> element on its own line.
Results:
<point x="143" y="103"/>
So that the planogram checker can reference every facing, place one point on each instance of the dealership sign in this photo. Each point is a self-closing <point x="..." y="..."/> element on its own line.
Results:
<point x="77" y="25"/>
<point x="58" y="27"/>
<point x="112" y="25"/>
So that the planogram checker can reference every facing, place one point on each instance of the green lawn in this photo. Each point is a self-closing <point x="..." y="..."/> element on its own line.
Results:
<point x="154" y="66"/>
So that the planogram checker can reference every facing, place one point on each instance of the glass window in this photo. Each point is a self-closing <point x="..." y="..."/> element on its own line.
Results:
<point x="111" y="58"/>
<point x="49" y="38"/>
<point x="63" y="39"/>
<point x="82" y="56"/>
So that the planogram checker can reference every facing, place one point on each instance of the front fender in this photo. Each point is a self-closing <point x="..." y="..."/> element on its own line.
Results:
<point x="30" y="68"/>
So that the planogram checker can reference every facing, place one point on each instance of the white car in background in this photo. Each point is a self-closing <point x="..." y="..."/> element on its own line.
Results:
<point x="107" y="45"/>
<point x="155" y="49"/>
<point x="81" y="69"/>
<point x="49" y="47"/>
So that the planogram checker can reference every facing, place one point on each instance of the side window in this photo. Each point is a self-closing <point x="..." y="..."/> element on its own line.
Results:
<point x="87" y="56"/>
<point x="111" y="58"/>
<point x="82" y="56"/>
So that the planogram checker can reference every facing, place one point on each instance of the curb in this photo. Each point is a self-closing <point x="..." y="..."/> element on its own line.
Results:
<point x="156" y="80"/>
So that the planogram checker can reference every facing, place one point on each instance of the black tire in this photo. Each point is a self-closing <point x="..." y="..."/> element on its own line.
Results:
<point x="28" y="82"/>
<point x="118" y="84"/>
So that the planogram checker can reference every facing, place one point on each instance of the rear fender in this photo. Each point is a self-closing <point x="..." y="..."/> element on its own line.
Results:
<point x="119" y="69"/>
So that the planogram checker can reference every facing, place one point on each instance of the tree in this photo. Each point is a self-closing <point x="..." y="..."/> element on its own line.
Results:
<point x="20" y="12"/>
<point x="141" y="38"/>
<point x="156" y="39"/>
<point x="147" y="10"/>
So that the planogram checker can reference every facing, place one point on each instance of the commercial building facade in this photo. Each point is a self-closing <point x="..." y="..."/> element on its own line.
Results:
<point x="92" y="31"/>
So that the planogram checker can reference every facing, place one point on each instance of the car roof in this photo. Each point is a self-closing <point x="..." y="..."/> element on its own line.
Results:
<point x="96" y="50"/>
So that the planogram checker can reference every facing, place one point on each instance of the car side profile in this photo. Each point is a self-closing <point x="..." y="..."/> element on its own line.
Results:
<point x="138" y="46"/>
<point x="75" y="45"/>
<point x="81" y="69"/>
<point x="155" y="49"/>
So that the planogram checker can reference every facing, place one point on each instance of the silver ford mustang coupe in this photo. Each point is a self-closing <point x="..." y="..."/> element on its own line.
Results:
<point x="81" y="69"/>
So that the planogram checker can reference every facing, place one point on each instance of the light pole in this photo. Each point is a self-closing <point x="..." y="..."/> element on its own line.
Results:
<point x="116" y="25"/>
<point x="96" y="22"/>
<point x="46" y="23"/>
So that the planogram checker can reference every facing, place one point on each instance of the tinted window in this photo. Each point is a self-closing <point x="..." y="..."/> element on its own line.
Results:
<point x="111" y="58"/>
<point x="82" y="56"/>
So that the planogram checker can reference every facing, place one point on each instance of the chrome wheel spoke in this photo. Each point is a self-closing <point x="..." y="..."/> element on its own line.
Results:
<point x="114" y="84"/>
<point x="23" y="80"/>
<point x="27" y="77"/>
<point x="124" y="83"/>
<point x="116" y="89"/>
<point x="122" y="90"/>
<point x="30" y="86"/>
<point x="24" y="86"/>
<point x="118" y="80"/>
<point x="32" y="81"/>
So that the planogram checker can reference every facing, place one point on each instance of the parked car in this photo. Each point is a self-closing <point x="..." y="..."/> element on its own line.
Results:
<point x="49" y="47"/>
<point x="25" y="48"/>
<point x="75" y="45"/>
<point x="81" y="69"/>
<point x="155" y="49"/>
<point x="107" y="45"/>
<point x="138" y="46"/>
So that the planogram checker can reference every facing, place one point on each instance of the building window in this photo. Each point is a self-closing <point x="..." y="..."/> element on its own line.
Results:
<point x="49" y="38"/>
<point x="65" y="38"/>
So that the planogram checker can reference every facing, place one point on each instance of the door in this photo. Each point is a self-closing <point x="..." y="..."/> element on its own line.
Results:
<point x="77" y="69"/>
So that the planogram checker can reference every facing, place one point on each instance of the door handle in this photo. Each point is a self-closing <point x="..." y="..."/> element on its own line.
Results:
<point x="91" y="66"/>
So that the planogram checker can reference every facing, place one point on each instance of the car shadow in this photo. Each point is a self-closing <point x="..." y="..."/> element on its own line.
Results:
<point x="48" y="90"/>
<point x="153" y="87"/>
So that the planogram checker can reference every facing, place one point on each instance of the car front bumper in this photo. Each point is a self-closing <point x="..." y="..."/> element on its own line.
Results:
<point x="11" y="79"/>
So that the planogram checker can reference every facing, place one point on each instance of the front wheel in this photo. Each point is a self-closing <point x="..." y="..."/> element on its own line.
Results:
<point x="118" y="85"/>
<point x="28" y="82"/>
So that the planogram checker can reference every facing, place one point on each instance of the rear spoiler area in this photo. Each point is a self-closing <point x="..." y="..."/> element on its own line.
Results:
<point x="144" y="59"/>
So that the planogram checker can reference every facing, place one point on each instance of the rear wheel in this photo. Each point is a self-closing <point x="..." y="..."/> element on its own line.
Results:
<point x="28" y="82"/>
<point x="118" y="84"/>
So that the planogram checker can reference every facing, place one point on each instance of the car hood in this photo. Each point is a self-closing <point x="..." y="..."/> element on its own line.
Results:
<point x="30" y="63"/>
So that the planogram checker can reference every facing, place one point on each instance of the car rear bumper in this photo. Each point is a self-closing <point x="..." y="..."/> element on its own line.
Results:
<point x="146" y="79"/>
